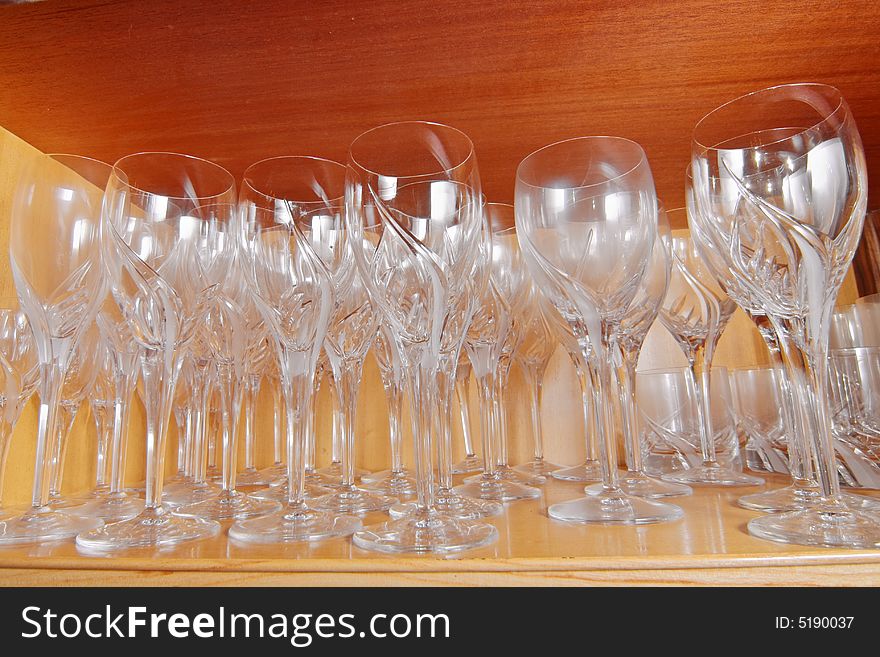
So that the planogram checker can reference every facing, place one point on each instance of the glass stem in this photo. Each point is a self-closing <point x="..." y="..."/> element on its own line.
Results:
<point x="278" y="440"/>
<point x="311" y="436"/>
<point x="296" y="388"/>
<point x="629" y="422"/>
<point x="461" y="392"/>
<point x="104" y="432"/>
<point x="394" y="392"/>
<point x="251" y="392"/>
<point x="123" y="387"/>
<point x="51" y="383"/>
<point x="348" y="383"/>
<point x="534" y="380"/>
<point x="698" y="373"/>
<point x="66" y="417"/>
<point x="336" y="445"/>
<point x="160" y="372"/>
<point x="445" y="391"/>
<point x="604" y="382"/>
<point x="501" y="421"/>
<point x="422" y="404"/>
<point x="488" y="422"/>
<point x="807" y="368"/>
<point x="591" y="404"/>
<point x="230" y="412"/>
<point x="5" y="435"/>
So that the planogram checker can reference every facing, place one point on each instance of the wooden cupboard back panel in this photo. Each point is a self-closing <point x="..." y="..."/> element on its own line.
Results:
<point x="238" y="81"/>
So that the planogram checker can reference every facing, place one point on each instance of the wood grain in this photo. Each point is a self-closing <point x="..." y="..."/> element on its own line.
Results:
<point x="709" y="546"/>
<point x="236" y="82"/>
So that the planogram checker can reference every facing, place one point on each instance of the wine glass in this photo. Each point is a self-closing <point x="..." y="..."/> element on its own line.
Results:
<point x="56" y="264"/>
<point x="586" y="217"/>
<point x="491" y="340"/>
<point x="779" y="192"/>
<point x="294" y="293"/>
<point x="151" y="242"/>
<point x="696" y="311"/>
<point x="533" y="355"/>
<point x="413" y="203"/>
<point x="18" y="374"/>
<point x="634" y="326"/>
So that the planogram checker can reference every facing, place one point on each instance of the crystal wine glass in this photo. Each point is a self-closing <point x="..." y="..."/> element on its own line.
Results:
<point x="586" y="215"/>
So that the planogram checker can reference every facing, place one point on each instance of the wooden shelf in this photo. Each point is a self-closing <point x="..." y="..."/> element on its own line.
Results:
<point x="709" y="546"/>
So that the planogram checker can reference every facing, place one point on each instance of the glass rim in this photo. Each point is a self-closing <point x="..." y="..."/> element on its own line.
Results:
<point x="89" y="158"/>
<point x="767" y="90"/>
<point x="277" y="158"/>
<point x="853" y="351"/>
<point x="116" y="170"/>
<point x="471" y="156"/>
<point x="643" y="158"/>
<point x="678" y="370"/>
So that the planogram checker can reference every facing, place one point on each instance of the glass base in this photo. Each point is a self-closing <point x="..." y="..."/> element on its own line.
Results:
<point x="425" y="532"/>
<point x="452" y="505"/>
<point x="496" y="489"/>
<point x="113" y="507"/>
<point x="279" y="493"/>
<point x="538" y="468"/>
<point x="43" y="524"/>
<point x="372" y="477"/>
<point x="614" y="508"/>
<point x="188" y="492"/>
<point x="507" y="473"/>
<point x="712" y="475"/>
<point x="228" y="504"/>
<point x="254" y="477"/>
<point x="334" y="472"/>
<point x="353" y="500"/>
<point x="587" y="471"/>
<point x="154" y="527"/>
<point x="396" y="484"/>
<point x="472" y="463"/>
<point x="795" y="497"/>
<point x="641" y="485"/>
<point x="817" y="526"/>
<point x="293" y="524"/>
<point x="66" y="503"/>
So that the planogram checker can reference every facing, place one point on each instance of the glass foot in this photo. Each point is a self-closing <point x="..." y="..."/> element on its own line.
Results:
<point x="712" y="475"/>
<point x="449" y="504"/>
<point x="254" y="477"/>
<point x="426" y="531"/>
<point x="65" y="503"/>
<point x="154" y="527"/>
<point x="279" y="493"/>
<point x="189" y="493"/>
<point x="537" y="468"/>
<point x="587" y="471"/>
<point x="293" y="524"/>
<point x="396" y="484"/>
<point x="353" y="500"/>
<point x="614" y="508"/>
<point x="334" y="471"/>
<point x="472" y="463"/>
<point x="641" y="485"/>
<point x="794" y="497"/>
<point x="43" y="524"/>
<point x="113" y="507"/>
<point x="818" y="526"/>
<point x="372" y="477"/>
<point x="497" y="490"/>
<point x="228" y="504"/>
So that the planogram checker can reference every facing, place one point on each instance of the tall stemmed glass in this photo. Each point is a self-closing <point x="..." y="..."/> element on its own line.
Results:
<point x="413" y="203"/>
<point x="122" y="353"/>
<point x="397" y="481"/>
<point x="151" y="242"/>
<point x="294" y="293"/>
<point x="780" y="189"/>
<point x="222" y="336"/>
<point x="56" y="264"/>
<point x="490" y="341"/>
<point x="633" y="329"/>
<point x="586" y="216"/>
<point x="535" y="350"/>
<point x="18" y="375"/>
<point x="696" y="311"/>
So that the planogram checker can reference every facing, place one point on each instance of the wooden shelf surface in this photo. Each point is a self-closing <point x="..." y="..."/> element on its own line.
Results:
<point x="709" y="546"/>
